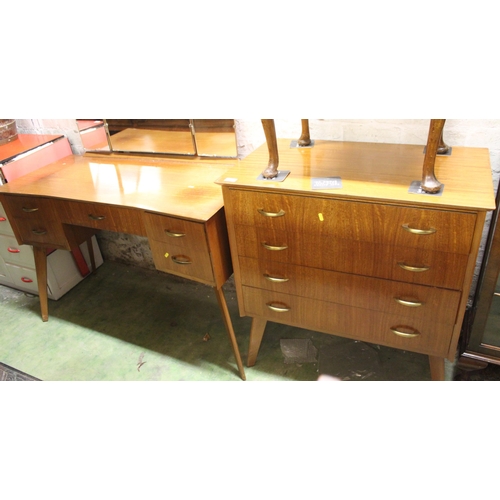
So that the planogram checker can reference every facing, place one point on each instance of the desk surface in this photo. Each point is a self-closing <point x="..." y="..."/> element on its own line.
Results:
<point x="24" y="143"/>
<point x="373" y="171"/>
<point x="174" y="187"/>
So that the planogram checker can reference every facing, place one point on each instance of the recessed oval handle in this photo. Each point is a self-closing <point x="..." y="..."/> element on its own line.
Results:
<point x="2" y="219"/>
<point x="407" y="332"/>
<point x="281" y="213"/>
<point x="173" y="234"/>
<point x="180" y="259"/>
<point x="39" y="232"/>
<point x="13" y="250"/>
<point x="275" y="279"/>
<point x="97" y="217"/>
<point x="408" y="303"/>
<point x="29" y="210"/>
<point x="274" y="306"/>
<point x="26" y="280"/>
<point x="273" y="247"/>
<point x="413" y="230"/>
<point x="413" y="269"/>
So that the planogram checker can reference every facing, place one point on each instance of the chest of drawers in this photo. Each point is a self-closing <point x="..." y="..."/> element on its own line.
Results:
<point x="369" y="261"/>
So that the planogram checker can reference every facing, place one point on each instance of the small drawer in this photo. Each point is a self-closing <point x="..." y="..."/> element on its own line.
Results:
<point x="5" y="227"/>
<point x="174" y="230"/>
<point x="188" y="260"/>
<point x="12" y="252"/>
<point x="31" y="207"/>
<point x="101" y="216"/>
<point x="41" y="232"/>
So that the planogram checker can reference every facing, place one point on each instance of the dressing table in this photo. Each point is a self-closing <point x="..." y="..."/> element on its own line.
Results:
<point x="173" y="202"/>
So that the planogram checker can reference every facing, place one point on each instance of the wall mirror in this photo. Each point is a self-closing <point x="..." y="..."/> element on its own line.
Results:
<point x="187" y="137"/>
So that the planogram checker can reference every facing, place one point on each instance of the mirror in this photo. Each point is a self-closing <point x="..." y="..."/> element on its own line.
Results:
<point x="187" y="137"/>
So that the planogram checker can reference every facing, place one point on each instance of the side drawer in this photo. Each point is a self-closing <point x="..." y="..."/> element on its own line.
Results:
<point x="392" y="297"/>
<point x="424" y="335"/>
<point x="174" y="230"/>
<point x="377" y="223"/>
<point x="23" y="278"/>
<point x="34" y="231"/>
<point x="190" y="260"/>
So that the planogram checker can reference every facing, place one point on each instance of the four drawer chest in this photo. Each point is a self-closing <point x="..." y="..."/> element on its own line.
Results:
<point x="345" y="244"/>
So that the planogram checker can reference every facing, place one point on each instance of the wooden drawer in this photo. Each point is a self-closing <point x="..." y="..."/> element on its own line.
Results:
<point x="377" y="223"/>
<point x="188" y="259"/>
<point x="174" y="230"/>
<point x="430" y="338"/>
<point x="31" y="208"/>
<point x="101" y="216"/>
<point x="445" y="270"/>
<point x="48" y="233"/>
<point x="393" y="297"/>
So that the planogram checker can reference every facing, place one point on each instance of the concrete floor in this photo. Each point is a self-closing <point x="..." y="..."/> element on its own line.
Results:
<point x="133" y="324"/>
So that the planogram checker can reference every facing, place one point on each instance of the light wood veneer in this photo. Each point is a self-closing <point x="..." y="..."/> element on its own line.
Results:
<point x="370" y="261"/>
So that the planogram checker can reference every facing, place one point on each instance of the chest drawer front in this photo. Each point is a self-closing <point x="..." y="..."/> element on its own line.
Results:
<point x="422" y="228"/>
<point x="174" y="231"/>
<point x="11" y="251"/>
<point x="425" y="267"/>
<point x="100" y="216"/>
<point x="188" y="260"/>
<point x="370" y="326"/>
<point x="392" y="297"/>
<point x="5" y="227"/>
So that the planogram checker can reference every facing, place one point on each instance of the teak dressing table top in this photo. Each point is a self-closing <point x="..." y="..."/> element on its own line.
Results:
<point x="373" y="171"/>
<point x="175" y="187"/>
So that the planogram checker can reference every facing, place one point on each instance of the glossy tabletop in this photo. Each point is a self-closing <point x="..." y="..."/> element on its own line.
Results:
<point x="174" y="187"/>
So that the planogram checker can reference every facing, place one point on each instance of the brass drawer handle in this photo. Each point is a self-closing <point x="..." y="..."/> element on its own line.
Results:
<point x="29" y="210"/>
<point x="274" y="248"/>
<point x="181" y="260"/>
<point x="174" y="235"/>
<point x="39" y="232"/>
<point x="412" y="230"/>
<point x="271" y="214"/>
<point x="97" y="217"/>
<point x="413" y="268"/>
<point x="278" y="307"/>
<point x="275" y="279"/>
<point x="408" y="303"/>
<point x="411" y="334"/>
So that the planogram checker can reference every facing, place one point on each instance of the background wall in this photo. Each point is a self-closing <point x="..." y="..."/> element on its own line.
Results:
<point x="135" y="250"/>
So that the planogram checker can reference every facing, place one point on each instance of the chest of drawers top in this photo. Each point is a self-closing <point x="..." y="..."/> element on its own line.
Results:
<point x="372" y="172"/>
<point x="180" y="188"/>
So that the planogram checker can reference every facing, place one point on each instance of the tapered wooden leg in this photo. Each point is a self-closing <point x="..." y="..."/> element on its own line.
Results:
<point x="272" y="145"/>
<point x="429" y="182"/>
<point x="40" y="255"/>
<point x="230" y="331"/>
<point x="437" y="368"/>
<point x="305" y="136"/>
<point x="256" y="334"/>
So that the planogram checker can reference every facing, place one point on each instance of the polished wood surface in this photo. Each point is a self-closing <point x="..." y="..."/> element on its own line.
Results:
<point x="368" y="261"/>
<point x="373" y="171"/>
<point x="174" y="187"/>
<point x="175" y="204"/>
